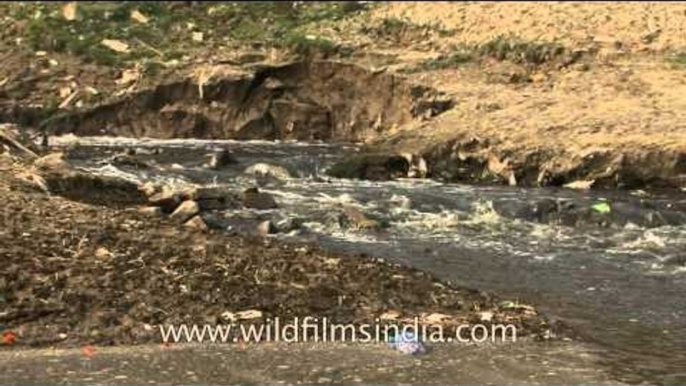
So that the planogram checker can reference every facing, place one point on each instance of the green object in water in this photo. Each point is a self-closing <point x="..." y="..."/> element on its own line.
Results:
<point x="602" y="207"/>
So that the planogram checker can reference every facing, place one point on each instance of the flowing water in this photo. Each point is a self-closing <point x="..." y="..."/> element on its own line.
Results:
<point x="617" y="278"/>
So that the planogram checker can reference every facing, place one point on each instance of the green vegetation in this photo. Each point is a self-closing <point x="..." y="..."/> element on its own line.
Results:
<point x="678" y="60"/>
<point x="520" y="51"/>
<point x="168" y="32"/>
<point x="399" y="29"/>
<point x="504" y="49"/>
<point x="443" y="62"/>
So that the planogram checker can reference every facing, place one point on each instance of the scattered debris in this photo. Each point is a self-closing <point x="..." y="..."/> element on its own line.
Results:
<point x="602" y="207"/>
<point x="196" y="223"/>
<point x="580" y="184"/>
<point x="8" y="338"/>
<point x="136" y="15"/>
<point x="115" y="45"/>
<point x="128" y="76"/>
<point x="69" y="99"/>
<point x="69" y="11"/>
<point x="10" y="139"/>
<point x="407" y="343"/>
<point x="185" y="211"/>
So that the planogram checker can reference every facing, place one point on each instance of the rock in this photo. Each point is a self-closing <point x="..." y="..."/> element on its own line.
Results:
<point x="185" y="211"/>
<point x="210" y="193"/>
<point x="150" y="189"/>
<point x="418" y="168"/>
<point x="354" y="218"/>
<point x="221" y="159"/>
<point x="435" y="318"/>
<point x="33" y="179"/>
<point x="253" y="198"/>
<point x="289" y="225"/>
<point x="196" y="223"/>
<point x="266" y="228"/>
<point x="215" y="198"/>
<point x="390" y="315"/>
<point x="126" y="159"/>
<point x="92" y="188"/>
<point x="378" y="167"/>
<point x="580" y="184"/>
<point x="167" y="199"/>
<point x="268" y="170"/>
<point x="102" y="253"/>
<point x="150" y="210"/>
<point x="51" y="161"/>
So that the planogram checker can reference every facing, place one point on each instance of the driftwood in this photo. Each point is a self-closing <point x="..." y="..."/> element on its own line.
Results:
<point x="7" y="138"/>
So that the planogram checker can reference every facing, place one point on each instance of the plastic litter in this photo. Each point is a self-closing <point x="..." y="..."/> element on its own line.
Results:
<point x="602" y="207"/>
<point x="407" y="343"/>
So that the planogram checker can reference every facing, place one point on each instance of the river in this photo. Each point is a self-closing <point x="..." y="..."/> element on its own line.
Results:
<point x="618" y="278"/>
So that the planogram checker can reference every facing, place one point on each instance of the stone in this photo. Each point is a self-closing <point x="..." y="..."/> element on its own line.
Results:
<point x="253" y="198"/>
<point x="289" y="224"/>
<point x="167" y="199"/>
<point x="221" y="159"/>
<point x="92" y="188"/>
<point x="150" y="189"/>
<point x="580" y="184"/>
<point x="150" y="210"/>
<point x="375" y="167"/>
<point x="268" y="170"/>
<point x="51" y="161"/>
<point x="355" y="218"/>
<point x="196" y="223"/>
<point x="266" y="228"/>
<point x="185" y="211"/>
<point x="126" y="159"/>
<point x="214" y="198"/>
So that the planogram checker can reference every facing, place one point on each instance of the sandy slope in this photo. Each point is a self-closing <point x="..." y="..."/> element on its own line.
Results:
<point x="573" y="23"/>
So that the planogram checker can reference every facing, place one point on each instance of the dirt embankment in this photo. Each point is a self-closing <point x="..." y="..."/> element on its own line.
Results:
<point x="314" y="100"/>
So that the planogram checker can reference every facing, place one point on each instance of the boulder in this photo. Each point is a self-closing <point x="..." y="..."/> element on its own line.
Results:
<point x="266" y="228"/>
<point x="92" y="188"/>
<point x="185" y="211"/>
<point x="221" y="159"/>
<point x="253" y="198"/>
<point x="126" y="159"/>
<point x="376" y="167"/>
<point x="51" y="161"/>
<point x="150" y="189"/>
<point x="418" y="168"/>
<point x="289" y="224"/>
<point x="167" y="199"/>
<point x="268" y="170"/>
<point x="354" y="218"/>
<point x="196" y="223"/>
<point x="215" y="198"/>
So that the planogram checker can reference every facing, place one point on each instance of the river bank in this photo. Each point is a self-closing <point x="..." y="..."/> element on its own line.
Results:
<point x="77" y="274"/>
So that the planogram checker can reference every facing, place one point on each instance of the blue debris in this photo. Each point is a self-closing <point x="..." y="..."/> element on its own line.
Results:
<point x="407" y="343"/>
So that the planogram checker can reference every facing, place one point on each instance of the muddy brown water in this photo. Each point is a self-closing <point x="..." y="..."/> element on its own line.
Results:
<point x="617" y="278"/>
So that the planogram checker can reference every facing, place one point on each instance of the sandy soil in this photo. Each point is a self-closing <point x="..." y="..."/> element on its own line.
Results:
<point x="574" y="23"/>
